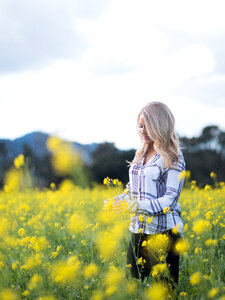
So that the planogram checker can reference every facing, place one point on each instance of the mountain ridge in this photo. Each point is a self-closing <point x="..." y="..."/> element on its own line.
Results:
<point x="36" y="141"/>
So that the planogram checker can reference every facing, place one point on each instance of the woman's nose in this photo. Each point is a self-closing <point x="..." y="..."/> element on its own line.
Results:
<point x="143" y="131"/>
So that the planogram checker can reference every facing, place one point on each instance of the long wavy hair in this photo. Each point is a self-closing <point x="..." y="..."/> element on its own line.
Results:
<point x="159" y="124"/>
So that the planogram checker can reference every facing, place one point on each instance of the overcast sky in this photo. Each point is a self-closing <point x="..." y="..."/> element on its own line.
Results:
<point x="82" y="69"/>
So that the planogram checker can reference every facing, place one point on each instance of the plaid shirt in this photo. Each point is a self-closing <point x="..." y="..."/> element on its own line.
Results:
<point x="153" y="192"/>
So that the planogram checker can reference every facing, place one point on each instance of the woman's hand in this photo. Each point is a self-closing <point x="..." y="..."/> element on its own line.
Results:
<point x="116" y="204"/>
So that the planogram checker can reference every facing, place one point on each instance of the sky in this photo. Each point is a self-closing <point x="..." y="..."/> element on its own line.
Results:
<point x="83" y="69"/>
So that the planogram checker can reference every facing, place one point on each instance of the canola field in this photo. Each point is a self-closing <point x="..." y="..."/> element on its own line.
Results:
<point x="61" y="243"/>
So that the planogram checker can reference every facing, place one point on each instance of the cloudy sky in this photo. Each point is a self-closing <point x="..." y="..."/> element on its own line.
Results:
<point x="82" y="69"/>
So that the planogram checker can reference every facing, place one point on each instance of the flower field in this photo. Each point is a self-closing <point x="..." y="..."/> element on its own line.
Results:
<point x="62" y="244"/>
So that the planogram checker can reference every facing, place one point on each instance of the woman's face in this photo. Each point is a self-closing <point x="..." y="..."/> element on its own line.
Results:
<point x="142" y="130"/>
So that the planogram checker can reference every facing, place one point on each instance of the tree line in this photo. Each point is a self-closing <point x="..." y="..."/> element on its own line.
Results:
<point x="203" y="154"/>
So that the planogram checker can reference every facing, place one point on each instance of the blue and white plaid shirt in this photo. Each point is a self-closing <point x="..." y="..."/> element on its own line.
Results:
<point x="152" y="193"/>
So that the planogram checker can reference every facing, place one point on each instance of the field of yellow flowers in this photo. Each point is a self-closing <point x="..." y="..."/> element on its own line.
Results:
<point x="60" y="243"/>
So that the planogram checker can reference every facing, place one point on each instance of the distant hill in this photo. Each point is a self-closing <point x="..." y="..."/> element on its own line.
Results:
<point x="36" y="141"/>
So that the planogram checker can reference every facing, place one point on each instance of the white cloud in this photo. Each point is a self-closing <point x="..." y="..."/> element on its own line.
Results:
<point x="133" y="53"/>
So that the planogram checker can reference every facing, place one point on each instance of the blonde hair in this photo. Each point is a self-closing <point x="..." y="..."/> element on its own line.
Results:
<point x="159" y="124"/>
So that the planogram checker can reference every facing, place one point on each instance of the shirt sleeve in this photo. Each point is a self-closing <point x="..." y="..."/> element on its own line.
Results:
<point x="173" y="185"/>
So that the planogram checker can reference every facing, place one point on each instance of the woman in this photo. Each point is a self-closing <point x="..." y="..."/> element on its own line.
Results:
<point x="152" y="194"/>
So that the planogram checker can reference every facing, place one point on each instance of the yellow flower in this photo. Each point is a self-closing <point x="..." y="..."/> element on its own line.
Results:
<point x="13" y="180"/>
<point x="144" y="243"/>
<point x="107" y="242"/>
<point x="65" y="272"/>
<point x="141" y="261"/>
<point x="7" y="294"/>
<point x="40" y="244"/>
<point x="52" y="185"/>
<point x="198" y="250"/>
<point x="158" y="269"/>
<point x="213" y="292"/>
<point x="83" y="242"/>
<point x="14" y="265"/>
<point x="209" y="215"/>
<point x="91" y="270"/>
<point x="149" y="220"/>
<point x="77" y="222"/>
<point x="213" y="175"/>
<point x="53" y="143"/>
<point x="21" y="232"/>
<point x="32" y="262"/>
<point x="106" y="180"/>
<point x="166" y="210"/>
<point x="141" y="218"/>
<point x="157" y="291"/>
<point x="181" y="246"/>
<point x="113" y="279"/>
<point x="185" y="174"/>
<point x="34" y="281"/>
<point x="19" y="161"/>
<point x="126" y="191"/>
<point x="184" y="294"/>
<point x="97" y="295"/>
<point x="207" y="187"/>
<point x="195" y="278"/>
<point x="211" y="242"/>
<point x="201" y="226"/>
<point x="175" y="229"/>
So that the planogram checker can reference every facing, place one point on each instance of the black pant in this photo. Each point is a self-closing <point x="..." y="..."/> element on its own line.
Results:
<point x="150" y="258"/>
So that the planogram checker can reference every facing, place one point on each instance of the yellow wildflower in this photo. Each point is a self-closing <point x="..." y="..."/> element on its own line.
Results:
<point x="166" y="210"/>
<point x="183" y="294"/>
<point x="19" y="161"/>
<point x="209" y="215"/>
<point x="7" y="294"/>
<point x="195" y="278"/>
<point x="34" y="281"/>
<point x="158" y="269"/>
<point x="157" y="291"/>
<point x="91" y="270"/>
<point x="13" y="180"/>
<point x="141" y="261"/>
<point x="113" y="279"/>
<point x="97" y="295"/>
<point x="207" y="187"/>
<point x="14" y="265"/>
<point x="106" y="180"/>
<point x="21" y="232"/>
<point x="149" y="220"/>
<point x="175" y="229"/>
<point x="181" y="246"/>
<point x="201" y="226"/>
<point x="198" y="250"/>
<point x="213" y="292"/>
<point x="144" y="243"/>
<point x="141" y="218"/>
<point x="213" y="175"/>
<point x="32" y="262"/>
<point x="211" y="242"/>
<point x="77" y="223"/>
<point x="65" y="272"/>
